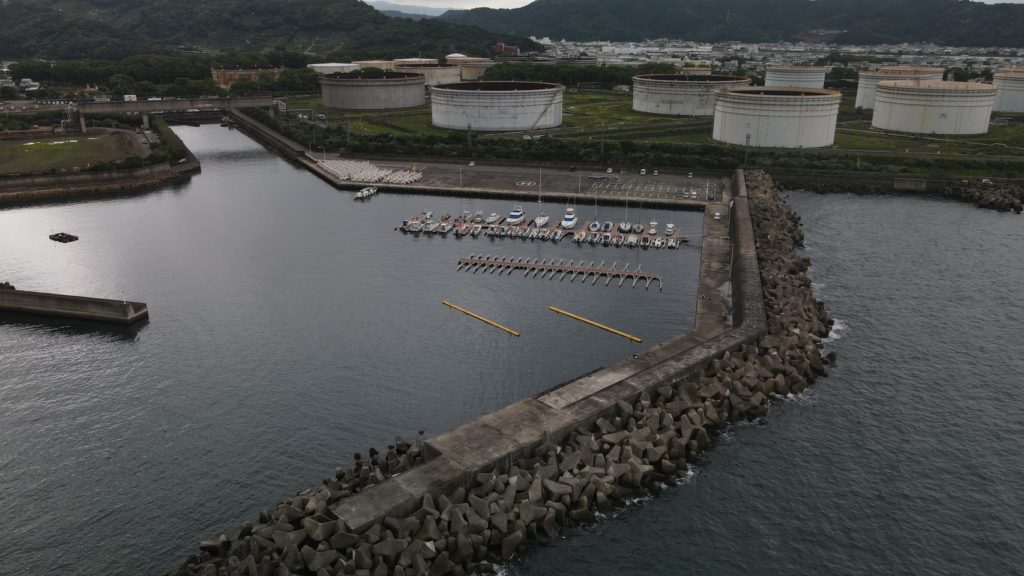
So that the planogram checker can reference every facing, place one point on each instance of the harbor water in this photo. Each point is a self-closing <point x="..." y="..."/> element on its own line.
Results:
<point x="907" y="459"/>
<point x="290" y="327"/>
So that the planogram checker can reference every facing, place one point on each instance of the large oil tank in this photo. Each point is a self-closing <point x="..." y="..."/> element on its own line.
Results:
<point x="765" y="117"/>
<point x="381" y="64"/>
<point x="781" y="75"/>
<point x="681" y="95"/>
<point x="933" y="106"/>
<point x="1009" y="91"/>
<point x="470" y="67"/>
<point x="496" y="106"/>
<point x="868" y="80"/>
<point x="434" y="73"/>
<point x="360" y="91"/>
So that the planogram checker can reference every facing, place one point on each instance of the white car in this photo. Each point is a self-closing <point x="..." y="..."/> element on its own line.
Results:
<point x="643" y="171"/>
<point x="472" y="163"/>
<point x="718" y="216"/>
<point x="609" y="171"/>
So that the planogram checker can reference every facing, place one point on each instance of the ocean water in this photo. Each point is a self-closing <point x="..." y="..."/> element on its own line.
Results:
<point x="290" y="327"/>
<point x="907" y="459"/>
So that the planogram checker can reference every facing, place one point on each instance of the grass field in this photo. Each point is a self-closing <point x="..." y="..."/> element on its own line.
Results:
<point x="61" y="152"/>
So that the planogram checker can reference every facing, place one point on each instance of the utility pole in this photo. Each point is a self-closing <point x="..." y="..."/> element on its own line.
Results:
<point x="746" y="151"/>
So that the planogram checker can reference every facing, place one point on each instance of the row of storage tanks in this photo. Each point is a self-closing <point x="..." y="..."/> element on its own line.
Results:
<point x="792" y="110"/>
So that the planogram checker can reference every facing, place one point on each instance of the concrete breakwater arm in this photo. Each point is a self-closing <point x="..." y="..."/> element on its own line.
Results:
<point x="514" y="477"/>
<point x="96" y="309"/>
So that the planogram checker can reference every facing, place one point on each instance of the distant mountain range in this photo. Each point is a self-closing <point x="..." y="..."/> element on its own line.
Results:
<point x="117" y="28"/>
<point x="406" y="10"/>
<point x="947" y="22"/>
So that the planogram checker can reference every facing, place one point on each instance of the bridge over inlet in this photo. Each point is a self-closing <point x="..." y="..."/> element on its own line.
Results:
<point x="146" y="107"/>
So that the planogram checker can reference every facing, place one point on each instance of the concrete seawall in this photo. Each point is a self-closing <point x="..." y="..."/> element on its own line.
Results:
<point x="96" y="309"/>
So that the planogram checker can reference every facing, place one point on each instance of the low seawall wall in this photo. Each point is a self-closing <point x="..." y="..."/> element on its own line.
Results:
<point x="84" y="178"/>
<point x="98" y="309"/>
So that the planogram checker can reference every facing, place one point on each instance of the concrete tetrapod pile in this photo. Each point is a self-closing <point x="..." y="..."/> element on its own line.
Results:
<point x="641" y="446"/>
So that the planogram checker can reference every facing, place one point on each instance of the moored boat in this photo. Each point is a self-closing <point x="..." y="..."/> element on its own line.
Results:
<point x="516" y="216"/>
<point x="541" y="220"/>
<point x="569" y="220"/>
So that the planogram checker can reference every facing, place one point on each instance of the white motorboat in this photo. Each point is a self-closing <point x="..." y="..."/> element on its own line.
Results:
<point x="638" y="228"/>
<point x="569" y="220"/>
<point x="516" y="216"/>
<point x="670" y="229"/>
<point x="594" y="226"/>
<point x="541" y="220"/>
<point x="653" y="228"/>
<point x="493" y="218"/>
<point x="631" y="241"/>
<point x="659" y="243"/>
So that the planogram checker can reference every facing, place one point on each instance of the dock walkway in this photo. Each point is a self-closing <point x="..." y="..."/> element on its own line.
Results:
<point x="541" y="268"/>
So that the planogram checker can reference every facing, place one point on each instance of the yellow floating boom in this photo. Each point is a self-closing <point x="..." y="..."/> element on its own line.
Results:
<point x="480" y="318"/>
<point x="595" y="324"/>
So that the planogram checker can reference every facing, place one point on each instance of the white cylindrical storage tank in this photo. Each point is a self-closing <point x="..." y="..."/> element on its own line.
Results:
<point x="434" y="73"/>
<point x="356" y="91"/>
<point x="679" y="95"/>
<point x="1009" y="91"/>
<point x="933" y="107"/>
<point x="497" y="106"/>
<point x="413" y="62"/>
<point x="324" y="68"/>
<point x="868" y="80"/>
<point x="777" y="117"/>
<point x="470" y="67"/>
<point x="382" y="64"/>
<point x="799" y="76"/>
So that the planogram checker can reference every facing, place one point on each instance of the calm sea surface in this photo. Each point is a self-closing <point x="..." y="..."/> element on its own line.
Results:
<point x="907" y="459"/>
<point x="290" y="328"/>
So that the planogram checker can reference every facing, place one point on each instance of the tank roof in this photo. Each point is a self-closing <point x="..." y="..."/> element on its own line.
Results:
<point x="782" y="91"/>
<point x="691" y="78"/>
<point x="903" y="71"/>
<point x="498" y="86"/>
<point x="797" y="67"/>
<point x="365" y="75"/>
<point x="400" y="65"/>
<point x="935" y="85"/>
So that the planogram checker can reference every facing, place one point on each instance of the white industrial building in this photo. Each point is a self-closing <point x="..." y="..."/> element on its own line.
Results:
<point x="356" y="91"/>
<point x="496" y="106"/>
<point x="933" y="107"/>
<point x="1009" y="91"/>
<point x="765" y="117"/>
<point x="783" y="75"/>
<point x="868" y="80"/>
<point x="681" y="95"/>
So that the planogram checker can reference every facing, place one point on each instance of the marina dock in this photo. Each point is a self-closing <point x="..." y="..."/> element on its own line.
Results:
<point x="533" y="267"/>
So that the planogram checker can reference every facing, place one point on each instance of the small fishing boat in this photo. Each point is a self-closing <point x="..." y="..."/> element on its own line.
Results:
<point x="673" y="243"/>
<point x="493" y="218"/>
<point x="659" y="243"/>
<point x="638" y="228"/>
<point x="557" y="236"/>
<point x="670" y="229"/>
<point x="607" y="227"/>
<point x="617" y="242"/>
<point x="414" y="227"/>
<point x="541" y="220"/>
<point x="579" y="237"/>
<point x="652" y="228"/>
<point x="631" y="241"/>
<point x="625" y="227"/>
<point x="476" y="230"/>
<point x="645" y="241"/>
<point x="445" y="228"/>
<point x="478" y="218"/>
<point x="606" y="239"/>
<point x="63" y="237"/>
<point x="545" y="235"/>
<point x="594" y="226"/>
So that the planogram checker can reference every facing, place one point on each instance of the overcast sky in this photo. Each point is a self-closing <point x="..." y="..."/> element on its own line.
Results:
<point x="516" y="3"/>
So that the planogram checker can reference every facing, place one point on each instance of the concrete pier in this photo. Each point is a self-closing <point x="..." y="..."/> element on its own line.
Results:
<point x="80" y="307"/>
